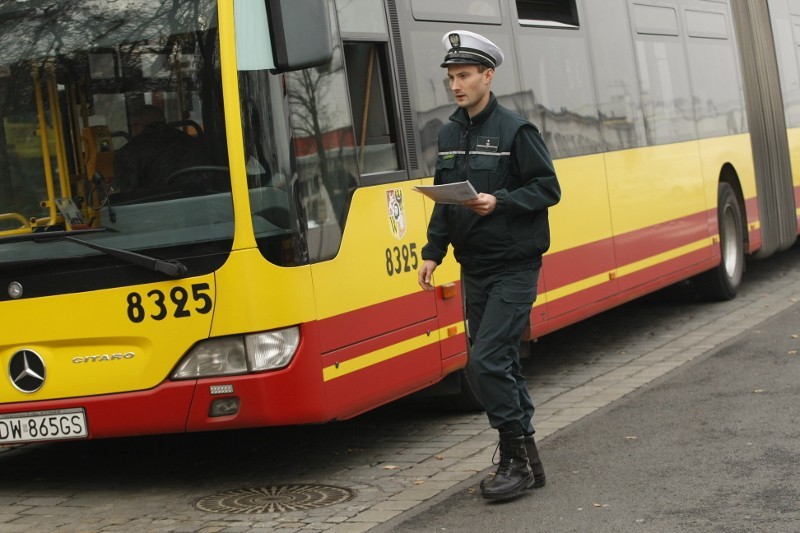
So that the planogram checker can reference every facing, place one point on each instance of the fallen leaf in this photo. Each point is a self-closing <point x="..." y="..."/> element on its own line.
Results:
<point x="758" y="391"/>
<point x="631" y="437"/>
<point x="794" y="336"/>
<point x="390" y="467"/>
<point x="419" y="482"/>
<point x="792" y="352"/>
<point x="439" y="457"/>
<point x="596" y="505"/>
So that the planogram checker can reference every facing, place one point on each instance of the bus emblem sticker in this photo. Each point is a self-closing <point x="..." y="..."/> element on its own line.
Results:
<point x="397" y="213"/>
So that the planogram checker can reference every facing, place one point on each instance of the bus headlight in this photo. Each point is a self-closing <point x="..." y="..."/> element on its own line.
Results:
<point x="269" y="350"/>
<point x="214" y="357"/>
<point x="272" y="349"/>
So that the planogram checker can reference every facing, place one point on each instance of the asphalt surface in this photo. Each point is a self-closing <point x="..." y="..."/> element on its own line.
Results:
<point x="712" y="446"/>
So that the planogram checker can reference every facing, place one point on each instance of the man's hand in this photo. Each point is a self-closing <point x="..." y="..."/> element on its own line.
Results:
<point x="483" y="205"/>
<point x="425" y="273"/>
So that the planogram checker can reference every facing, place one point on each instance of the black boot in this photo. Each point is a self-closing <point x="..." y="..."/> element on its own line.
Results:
<point x="513" y="474"/>
<point x="539" y="478"/>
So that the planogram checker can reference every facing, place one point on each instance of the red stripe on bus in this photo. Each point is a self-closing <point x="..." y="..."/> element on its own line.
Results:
<point x="374" y="320"/>
<point x="569" y="266"/>
<point x="584" y="305"/>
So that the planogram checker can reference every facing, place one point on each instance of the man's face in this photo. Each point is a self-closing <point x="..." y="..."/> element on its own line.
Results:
<point x="470" y="87"/>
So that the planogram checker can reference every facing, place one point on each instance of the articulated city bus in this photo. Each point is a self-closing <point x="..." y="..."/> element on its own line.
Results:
<point x="269" y="276"/>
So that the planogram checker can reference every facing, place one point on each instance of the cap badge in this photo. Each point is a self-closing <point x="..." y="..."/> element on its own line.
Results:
<point x="455" y="40"/>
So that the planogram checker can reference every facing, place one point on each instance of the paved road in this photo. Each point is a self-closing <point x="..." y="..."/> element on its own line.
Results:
<point x="713" y="446"/>
<point x="409" y="466"/>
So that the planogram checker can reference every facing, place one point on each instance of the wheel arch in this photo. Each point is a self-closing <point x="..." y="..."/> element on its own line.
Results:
<point x="729" y="175"/>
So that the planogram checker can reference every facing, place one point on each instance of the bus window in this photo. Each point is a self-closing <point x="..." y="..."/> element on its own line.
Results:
<point x="474" y="11"/>
<point x="718" y="96"/>
<point x="68" y="102"/>
<point x="555" y="68"/>
<point x="322" y="130"/>
<point x="300" y="153"/>
<point x="785" y="19"/>
<point x="553" y="13"/>
<point x="373" y="120"/>
<point x="618" y="98"/>
<point x="361" y="16"/>
<point x="663" y="75"/>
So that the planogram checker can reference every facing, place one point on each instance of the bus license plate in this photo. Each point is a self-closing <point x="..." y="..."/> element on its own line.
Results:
<point x="43" y="425"/>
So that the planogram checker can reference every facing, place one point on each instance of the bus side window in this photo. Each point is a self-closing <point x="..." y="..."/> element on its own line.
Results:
<point x="370" y="98"/>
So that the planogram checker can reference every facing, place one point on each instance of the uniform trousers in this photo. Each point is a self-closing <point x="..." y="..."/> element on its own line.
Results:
<point x="498" y="309"/>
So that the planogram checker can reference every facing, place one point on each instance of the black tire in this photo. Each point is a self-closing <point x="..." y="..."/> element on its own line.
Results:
<point x="722" y="282"/>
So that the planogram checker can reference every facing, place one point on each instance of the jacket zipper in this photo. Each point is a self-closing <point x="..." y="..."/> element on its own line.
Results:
<point x="466" y="151"/>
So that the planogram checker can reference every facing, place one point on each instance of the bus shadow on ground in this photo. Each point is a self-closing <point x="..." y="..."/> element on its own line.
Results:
<point x="229" y="457"/>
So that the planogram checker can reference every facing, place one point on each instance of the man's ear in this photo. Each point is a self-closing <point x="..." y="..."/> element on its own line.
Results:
<point x="489" y="72"/>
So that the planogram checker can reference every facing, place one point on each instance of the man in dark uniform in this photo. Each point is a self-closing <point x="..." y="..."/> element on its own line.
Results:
<point x="154" y="152"/>
<point x="498" y="238"/>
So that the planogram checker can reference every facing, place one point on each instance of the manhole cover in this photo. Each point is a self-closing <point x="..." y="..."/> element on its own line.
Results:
<point x="274" y="499"/>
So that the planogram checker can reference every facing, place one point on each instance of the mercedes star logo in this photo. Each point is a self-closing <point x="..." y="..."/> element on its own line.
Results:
<point x="26" y="371"/>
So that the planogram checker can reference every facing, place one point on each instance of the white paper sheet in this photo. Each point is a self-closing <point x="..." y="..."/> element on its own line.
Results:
<point x="450" y="193"/>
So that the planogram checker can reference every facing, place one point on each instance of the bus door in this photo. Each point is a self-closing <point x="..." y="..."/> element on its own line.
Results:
<point x="656" y="189"/>
<point x="557" y="77"/>
<point x="366" y="226"/>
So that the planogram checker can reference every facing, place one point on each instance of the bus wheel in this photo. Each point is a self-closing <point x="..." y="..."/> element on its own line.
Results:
<point x="457" y="392"/>
<point x="467" y="399"/>
<point x="723" y="282"/>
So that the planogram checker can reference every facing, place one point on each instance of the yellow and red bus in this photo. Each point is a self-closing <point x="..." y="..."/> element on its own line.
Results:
<point x="270" y="279"/>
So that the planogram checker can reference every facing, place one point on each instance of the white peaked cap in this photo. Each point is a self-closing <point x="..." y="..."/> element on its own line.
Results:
<point x="466" y="47"/>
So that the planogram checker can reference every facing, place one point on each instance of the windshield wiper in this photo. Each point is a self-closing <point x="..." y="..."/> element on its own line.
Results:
<point x="168" y="267"/>
<point x="45" y="235"/>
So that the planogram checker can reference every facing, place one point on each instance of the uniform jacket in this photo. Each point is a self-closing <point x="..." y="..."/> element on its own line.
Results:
<point x="502" y="154"/>
<point x="152" y="156"/>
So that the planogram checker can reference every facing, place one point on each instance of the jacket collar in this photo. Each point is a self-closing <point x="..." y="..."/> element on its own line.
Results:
<point x="460" y="115"/>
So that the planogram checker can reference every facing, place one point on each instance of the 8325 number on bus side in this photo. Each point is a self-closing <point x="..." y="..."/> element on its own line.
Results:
<point x="401" y="259"/>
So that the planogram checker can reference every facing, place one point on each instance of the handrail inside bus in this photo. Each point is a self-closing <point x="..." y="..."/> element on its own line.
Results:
<point x="48" y="168"/>
<point x="26" y="224"/>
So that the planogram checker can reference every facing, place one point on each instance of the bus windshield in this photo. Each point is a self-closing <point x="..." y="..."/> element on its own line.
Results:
<point x="111" y="117"/>
<point x="302" y="167"/>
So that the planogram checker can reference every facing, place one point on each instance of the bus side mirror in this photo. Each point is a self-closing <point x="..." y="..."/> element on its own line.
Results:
<point x="301" y="33"/>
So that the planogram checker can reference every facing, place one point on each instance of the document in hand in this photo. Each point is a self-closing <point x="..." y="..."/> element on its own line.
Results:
<point x="450" y="193"/>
